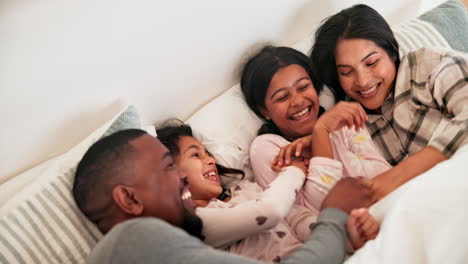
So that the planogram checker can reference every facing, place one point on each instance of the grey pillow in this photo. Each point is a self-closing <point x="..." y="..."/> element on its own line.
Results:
<point x="451" y="20"/>
<point x="445" y="26"/>
<point x="127" y="120"/>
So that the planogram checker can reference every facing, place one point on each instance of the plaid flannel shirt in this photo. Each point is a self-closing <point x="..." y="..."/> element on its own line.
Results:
<point x="428" y="107"/>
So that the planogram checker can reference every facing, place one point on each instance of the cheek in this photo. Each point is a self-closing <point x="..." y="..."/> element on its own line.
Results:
<point x="188" y="168"/>
<point x="278" y="111"/>
<point x="194" y="175"/>
<point x="388" y="72"/>
<point x="313" y="96"/>
<point x="386" y="69"/>
<point x="196" y="185"/>
<point x="346" y="83"/>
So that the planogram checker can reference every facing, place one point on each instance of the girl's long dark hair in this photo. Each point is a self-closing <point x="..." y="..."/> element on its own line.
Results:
<point x="257" y="75"/>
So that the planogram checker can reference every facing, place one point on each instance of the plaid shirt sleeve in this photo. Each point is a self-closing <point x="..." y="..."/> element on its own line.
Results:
<point x="431" y="100"/>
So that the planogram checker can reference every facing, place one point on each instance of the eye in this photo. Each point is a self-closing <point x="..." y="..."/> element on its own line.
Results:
<point x="209" y="153"/>
<point x="345" y="73"/>
<point x="171" y="165"/>
<point x="372" y="63"/>
<point x="304" y="87"/>
<point x="195" y="155"/>
<point x="281" y="98"/>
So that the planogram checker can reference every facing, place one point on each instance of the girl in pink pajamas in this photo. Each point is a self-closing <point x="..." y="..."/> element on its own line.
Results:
<point x="247" y="220"/>
<point x="279" y="85"/>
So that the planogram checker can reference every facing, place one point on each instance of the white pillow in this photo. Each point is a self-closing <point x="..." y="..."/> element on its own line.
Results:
<point x="40" y="222"/>
<point x="226" y="127"/>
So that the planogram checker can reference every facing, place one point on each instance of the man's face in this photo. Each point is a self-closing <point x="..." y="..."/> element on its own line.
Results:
<point x="161" y="186"/>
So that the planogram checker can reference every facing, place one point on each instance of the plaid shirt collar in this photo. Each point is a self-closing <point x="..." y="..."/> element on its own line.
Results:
<point x="382" y="130"/>
<point x="387" y="110"/>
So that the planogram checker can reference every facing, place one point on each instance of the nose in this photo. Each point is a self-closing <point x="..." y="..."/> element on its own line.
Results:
<point x="296" y="99"/>
<point x="362" y="78"/>
<point x="182" y="174"/>
<point x="210" y="160"/>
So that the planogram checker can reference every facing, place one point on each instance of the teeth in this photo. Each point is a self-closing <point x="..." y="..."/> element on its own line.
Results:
<point x="301" y="113"/>
<point x="368" y="91"/>
<point x="186" y="195"/>
<point x="211" y="173"/>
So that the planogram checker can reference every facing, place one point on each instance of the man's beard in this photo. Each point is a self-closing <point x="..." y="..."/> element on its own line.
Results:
<point x="193" y="224"/>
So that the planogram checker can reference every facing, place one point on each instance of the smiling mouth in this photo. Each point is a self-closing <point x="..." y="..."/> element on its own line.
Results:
<point x="369" y="91"/>
<point x="186" y="194"/>
<point x="211" y="175"/>
<point x="301" y="115"/>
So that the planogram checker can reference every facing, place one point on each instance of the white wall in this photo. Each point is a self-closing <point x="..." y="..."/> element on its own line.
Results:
<point x="66" y="66"/>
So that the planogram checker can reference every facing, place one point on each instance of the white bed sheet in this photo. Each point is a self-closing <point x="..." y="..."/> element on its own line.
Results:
<point x="424" y="221"/>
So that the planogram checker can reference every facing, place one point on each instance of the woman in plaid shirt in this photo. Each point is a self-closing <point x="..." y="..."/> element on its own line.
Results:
<point x="417" y="107"/>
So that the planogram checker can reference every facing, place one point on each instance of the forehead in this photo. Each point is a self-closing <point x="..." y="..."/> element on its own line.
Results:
<point x="287" y="76"/>
<point x="355" y="49"/>
<point x="186" y="142"/>
<point x="150" y="149"/>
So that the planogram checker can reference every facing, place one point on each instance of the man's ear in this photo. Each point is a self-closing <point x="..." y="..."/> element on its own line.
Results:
<point x="125" y="198"/>
<point x="264" y="112"/>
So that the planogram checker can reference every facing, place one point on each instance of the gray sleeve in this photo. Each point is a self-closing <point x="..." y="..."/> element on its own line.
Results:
<point x="150" y="240"/>
<point x="327" y="244"/>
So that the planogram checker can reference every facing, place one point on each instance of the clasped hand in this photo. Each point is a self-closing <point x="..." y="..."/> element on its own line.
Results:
<point x="343" y="114"/>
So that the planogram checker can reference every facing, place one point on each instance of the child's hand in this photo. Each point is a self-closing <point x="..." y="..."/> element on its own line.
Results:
<point x="300" y="147"/>
<point x="362" y="227"/>
<point x="296" y="162"/>
<point x="300" y="164"/>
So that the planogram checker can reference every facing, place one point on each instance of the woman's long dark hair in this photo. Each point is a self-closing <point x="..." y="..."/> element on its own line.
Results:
<point x="171" y="132"/>
<point x="257" y="75"/>
<point x="356" y="22"/>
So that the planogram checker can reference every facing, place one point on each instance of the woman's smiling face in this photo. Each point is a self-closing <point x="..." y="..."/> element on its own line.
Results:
<point x="291" y="102"/>
<point x="366" y="72"/>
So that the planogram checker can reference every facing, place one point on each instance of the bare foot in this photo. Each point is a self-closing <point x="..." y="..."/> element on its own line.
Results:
<point x="362" y="227"/>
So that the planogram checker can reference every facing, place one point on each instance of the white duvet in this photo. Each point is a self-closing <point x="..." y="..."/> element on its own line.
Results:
<point x="425" y="220"/>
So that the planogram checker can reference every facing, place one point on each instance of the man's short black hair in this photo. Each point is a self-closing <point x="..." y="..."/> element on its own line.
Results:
<point x="106" y="163"/>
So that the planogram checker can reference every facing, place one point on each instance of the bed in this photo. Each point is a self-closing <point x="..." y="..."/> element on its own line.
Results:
<point x="422" y="222"/>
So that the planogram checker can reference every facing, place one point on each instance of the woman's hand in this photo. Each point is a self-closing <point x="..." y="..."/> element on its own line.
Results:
<point x="342" y="114"/>
<point x="300" y="147"/>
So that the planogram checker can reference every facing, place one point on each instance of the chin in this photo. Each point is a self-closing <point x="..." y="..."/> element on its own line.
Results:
<point x="372" y="105"/>
<point x="304" y="130"/>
